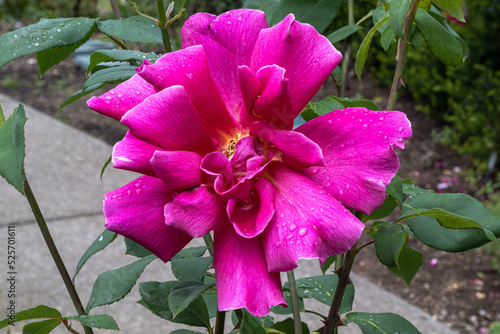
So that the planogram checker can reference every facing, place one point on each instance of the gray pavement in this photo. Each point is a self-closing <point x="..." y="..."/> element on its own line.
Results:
<point x="63" y="166"/>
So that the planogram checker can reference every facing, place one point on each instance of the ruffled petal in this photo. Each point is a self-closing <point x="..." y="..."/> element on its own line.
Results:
<point x="136" y="212"/>
<point x="168" y="119"/>
<point x="218" y="168"/>
<point x="248" y="156"/>
<point x="300" y="50"/>
<point x="179" y="170"/>
<point x="242" y="276"/>
<point x="228" y="41"/>
<point x="297" y="150"/>
<point x="196" y="212"/>
<point x="122" y="98"/>
<point x="251" y="216"/>
<point x="358" y="147"/>
<point x="188" y="68"/>
<point x="134" y="154"/>
<point x="308" y="222"/>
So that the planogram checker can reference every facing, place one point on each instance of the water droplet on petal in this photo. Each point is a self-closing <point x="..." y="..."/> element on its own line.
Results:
<point x="138" y="191"/>
<point x="364" y="126"/>
<point x="381" y="118"/>
<point x="293" y="227"/>
<point x="303" y="231"/>
<point x="129" y="192"/>
<point x="138" y="184"/>
<point x="329" y="121"/>
<point x="400" y="129"/>
<point x="400" y="140"/>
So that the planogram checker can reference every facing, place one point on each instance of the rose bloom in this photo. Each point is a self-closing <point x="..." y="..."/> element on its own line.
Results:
<point x="210" y="127"/>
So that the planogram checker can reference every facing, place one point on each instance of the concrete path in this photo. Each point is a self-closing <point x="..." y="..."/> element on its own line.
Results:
<point x="63" y="167"/>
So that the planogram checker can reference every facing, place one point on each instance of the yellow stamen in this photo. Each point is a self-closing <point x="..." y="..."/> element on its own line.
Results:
<point x="231" y="145"/>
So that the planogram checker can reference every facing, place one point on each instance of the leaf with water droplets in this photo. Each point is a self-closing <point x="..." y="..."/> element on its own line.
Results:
<point x="103" y="240"/>
<point x="132" y="57"/>
<point x="108" y="76"/>
<point x="96" y="321"/>
<point x="47" y="34"/>
<point x="135" y="29"/>
<point x="381" y="323"/>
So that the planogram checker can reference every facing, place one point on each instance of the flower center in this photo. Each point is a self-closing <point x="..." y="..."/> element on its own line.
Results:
<point x="231" y="145"/>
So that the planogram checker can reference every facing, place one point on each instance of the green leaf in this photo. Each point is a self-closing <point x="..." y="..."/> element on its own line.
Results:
<point x="134" y="29"/>
<point x="155" y="298"/>
<point x="41" y="327"/>
<point x="439" y="40"/>
<point x="250" y="324"/>
<point x="398" y="12"/>
<point x="386" y="39"/>
<point x="410" y="189"/>
<point x="432" y="233"/>
<point x="96" y="321"/>
<point x="278" y="309"/>
<point x="113" y="285"/>
<point x="130" y="56"/>
<point x="2" y="117"/>
<point x="190" y="253"/>
<point x="349" y="103"/>
<point x="409" y="262"/>
<point x="185" y="331"/>
<point x="318" y="13"/>
<point x="381" y="323"/>
<point x="452" y="7"/>
<point x="343" y="33"/>
<point x="328" y="262"/>
<point x="50" y="57"/>
<point x="395" y="189"/>
<point x="210" y="297"/>
<point x="191" y="269"/>
<point x="108" y="76"/>
<point x="135" y="249"/>
<point x="183" y="294"/>
<point x="102" y="241"/>
<point x="106" y="164"/>
<point x="12" y="148"/>
<point x="445" y="218"/>
<point x="79" y="94"/>
<point x="44" y="35"/>
<point x="287" y="326"/>
<point x="389" y="243"/>
<point x="362" y="54"/>
<point x="267" y="6"/>
<point x="383" y="211"/>
<point x="315" y="109"/>
<point x="39" y="312"/>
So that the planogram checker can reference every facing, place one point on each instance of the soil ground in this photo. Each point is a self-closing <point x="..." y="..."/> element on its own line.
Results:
<point x="462" y="290"/>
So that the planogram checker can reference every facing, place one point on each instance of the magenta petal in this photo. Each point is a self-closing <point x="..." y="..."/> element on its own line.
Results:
<point x="217" y="166"/>
<point x="134" y="154"/>
<point x="168" y="119"/>
<point x="251" y="216"/>
<point x="179" y="170"/>
<point x="298" y="150"/>
<point x="308" y="222"/>
<point x="196" y="212"/>
<point x="242" y="276"/>
<point x="248" y="156"/>
<point x="358" y="147"/>
<point x="307" y="56"/>
<point x="250" y="88"/>
<point x="228" y="41"/>
<point x="136" y="212"/>
<point x="188" y="68"/>
<point x="122" y="98"/>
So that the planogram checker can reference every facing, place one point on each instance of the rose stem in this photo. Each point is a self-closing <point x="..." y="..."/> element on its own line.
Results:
<point x="54" y="252"/>
<point x="346" y="59"/>
<point x="297" y="324"/>
<point x="161" y="23"/>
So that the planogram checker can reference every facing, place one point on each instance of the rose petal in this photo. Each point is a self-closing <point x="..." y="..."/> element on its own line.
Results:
<point x="179" y="170"/>
<point x="218" y="167"/>
<point x="188" y="68"/>
<point x="196" y="212"/>
<point x="228" y="41"/>
<point x="248" y="156"/>
<point x="136" y="212"/>
<point x="298" y="151"/>
<point x="358" y="147"/>
<point x="242" y="276"/>
<point x="251" y="216"/>
<point x="307" y="56"/>
<point x="168" y="119"/>
<point x="134" y="154"/>
<point x="122" y="98"/>
<point x="308" y="222"/>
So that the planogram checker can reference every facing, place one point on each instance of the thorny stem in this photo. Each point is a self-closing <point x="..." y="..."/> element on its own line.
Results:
<point x="297" y="324"/>
<point x="54" y="252"/>
<point x="402" y="52"/>
<point x="345" y="63"/>
<point x="162" y="24"/>
<point x="334" y="316"/>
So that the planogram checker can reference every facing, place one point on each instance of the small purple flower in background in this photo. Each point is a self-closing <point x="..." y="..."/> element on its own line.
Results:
<point x="210" y="127"/>
<point x="433" y="262"/>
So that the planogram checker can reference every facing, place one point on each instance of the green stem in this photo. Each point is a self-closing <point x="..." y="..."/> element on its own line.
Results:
<point x="209" y="242"/>
<point x="162" y="23"/>
<point x="333" y="316"/>
<point x="402" y="52"/>
<point x="219" y="322"/>
<point x="114" y="6"/>
<point x="54" y="252"/>
<point x="297" y="324"/>
<point x="347" y="57"/>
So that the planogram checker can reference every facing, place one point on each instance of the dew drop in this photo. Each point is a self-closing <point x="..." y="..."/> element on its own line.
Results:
<point x="278" y="243"/>
<point x="400" y="129"/>
<point x="293" y="227"/>
<point x="312" y="209"/>
<point x="364" y="126"/>
<point x="138" y="184"/>
<point x="400" y="140"/>
<point x="129" y="192"/>
<point x="120" y="95"/>
<point x="329" y="121"/>
<point x="100" y="238"/>
<point x="137" y="92"/>
<point x="303" y="231"/>
<point x="138" y="191"/>
<point x="189" y="75"/>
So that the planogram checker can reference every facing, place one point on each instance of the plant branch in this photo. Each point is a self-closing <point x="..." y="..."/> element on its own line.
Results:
<point x="54" y="252"/>
<point x="297" y="324"/>
<point x="347" y="58"/>
<point x="402" y="52"/>
<point x="210" y="243"/>
<point x="219" y="322"/>
<point x="333" y="316"/>
<point x="162" y="23"/>
<point x="114" y="6"/>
